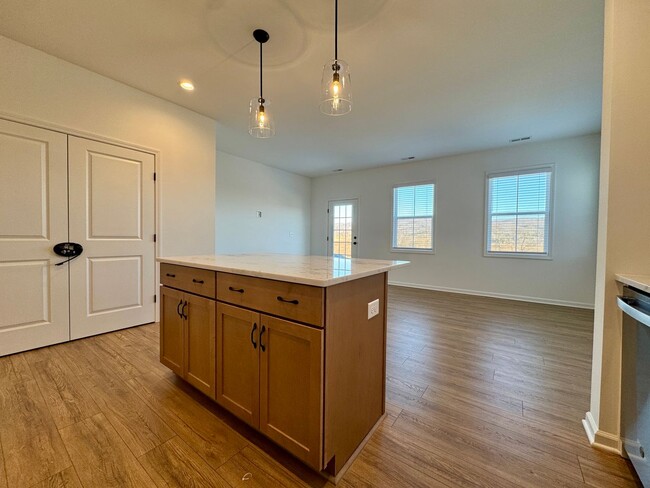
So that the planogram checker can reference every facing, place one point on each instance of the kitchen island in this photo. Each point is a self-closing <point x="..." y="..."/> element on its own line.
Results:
<point x="294" y="346"/>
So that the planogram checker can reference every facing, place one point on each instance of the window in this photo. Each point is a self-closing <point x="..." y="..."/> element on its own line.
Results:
<point x="413" y="217"/>
<point x="519" y="213"/>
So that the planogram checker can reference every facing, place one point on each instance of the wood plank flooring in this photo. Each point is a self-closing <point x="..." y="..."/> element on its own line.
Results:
<point x="481" y="393"/>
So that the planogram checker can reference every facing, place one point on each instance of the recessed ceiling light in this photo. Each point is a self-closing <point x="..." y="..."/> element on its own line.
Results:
<point x="408" y="158"/>
<point x="521" y="139"/>
<point x="186" y="85"/>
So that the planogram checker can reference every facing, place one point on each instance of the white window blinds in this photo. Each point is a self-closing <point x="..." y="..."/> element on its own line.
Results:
<point x="413" y="211"/>
<point x="519" y="212"/>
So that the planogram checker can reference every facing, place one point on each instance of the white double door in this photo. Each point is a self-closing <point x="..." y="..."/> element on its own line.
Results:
<point x="58" y="188"/>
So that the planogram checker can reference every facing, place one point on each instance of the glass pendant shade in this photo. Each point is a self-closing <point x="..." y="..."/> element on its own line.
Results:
<point x="260" y="119"/>
<point x="336" y="88"/>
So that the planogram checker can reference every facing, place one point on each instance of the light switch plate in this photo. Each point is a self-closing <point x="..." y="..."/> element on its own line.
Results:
<point x="373" y="308"/>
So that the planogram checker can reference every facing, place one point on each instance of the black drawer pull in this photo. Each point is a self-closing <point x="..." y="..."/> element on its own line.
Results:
<point x="171" y="275"/>
<point x="200" y="282"/>
<point x="262" y="346"/>
<point x="252" y="334"/>
<point x="238" y="290"/>
<point x="284" y="300"/>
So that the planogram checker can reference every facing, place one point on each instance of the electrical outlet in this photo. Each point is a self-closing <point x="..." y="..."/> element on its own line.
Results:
<point x="259" y="214"/>
<point x="373" y="308"/>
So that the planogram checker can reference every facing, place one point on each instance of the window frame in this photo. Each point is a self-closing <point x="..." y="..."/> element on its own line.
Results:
<point x="411" y="250"/>
<point x="549" y="213"/>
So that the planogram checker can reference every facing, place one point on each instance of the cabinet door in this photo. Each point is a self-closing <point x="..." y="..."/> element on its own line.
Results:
<point x="199" y="342"/>
<point x="291" y="385"/>
<point x="171" y="330"/>
<point x="238" y="362"/>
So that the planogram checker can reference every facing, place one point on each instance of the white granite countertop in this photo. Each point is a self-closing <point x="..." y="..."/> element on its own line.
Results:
<point x="640" y="282"/>
<point x="309" y="270"/>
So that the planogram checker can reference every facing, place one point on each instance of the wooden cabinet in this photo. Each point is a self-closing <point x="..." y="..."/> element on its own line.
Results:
<point x="171" y="330"/>
<point x="291" y="386"/>
<point x="187" y="334"/>
<point x="238" y="362"/>
<point x="199" y="343"/>
<point x="302" y="364"/>
<point x="302" y="303"/>
<point x="270" y="374"/>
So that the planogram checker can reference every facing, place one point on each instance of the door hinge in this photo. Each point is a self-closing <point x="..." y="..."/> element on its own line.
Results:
<point x="155" y="237"/>
<point x="328" y="210"/>
<point x="154" y="176"/>
<point x="327" y="238"/>
<point x="155" y="298"/>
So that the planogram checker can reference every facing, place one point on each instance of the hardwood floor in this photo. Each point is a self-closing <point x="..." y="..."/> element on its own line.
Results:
<point x="481" y="393"/>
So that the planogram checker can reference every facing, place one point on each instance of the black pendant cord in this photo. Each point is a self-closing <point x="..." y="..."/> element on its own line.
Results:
<point x="336" y="29"/>
<point x="261" y="79"/>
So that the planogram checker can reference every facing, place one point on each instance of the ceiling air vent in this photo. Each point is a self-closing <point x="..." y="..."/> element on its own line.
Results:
<point x="408" y="158"/>
<point x="521" y="139"/>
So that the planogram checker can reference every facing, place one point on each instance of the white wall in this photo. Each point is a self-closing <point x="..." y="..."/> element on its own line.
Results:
<point x="245" y="187"/>
<point x="624" y="214"/>
<point x="38" y="86"/>
<point x="458" y="263"/>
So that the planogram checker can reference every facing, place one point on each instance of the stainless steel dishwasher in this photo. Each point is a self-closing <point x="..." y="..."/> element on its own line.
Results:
<point x="635" y="388"/>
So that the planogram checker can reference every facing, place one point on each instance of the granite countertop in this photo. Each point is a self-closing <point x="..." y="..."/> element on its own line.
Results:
<point x="308" y="270"/>
<point x="640" y="282"/>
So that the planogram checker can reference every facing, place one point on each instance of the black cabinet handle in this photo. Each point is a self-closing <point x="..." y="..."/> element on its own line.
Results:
<point x="262" y="346"/>
<point x="178" y="308"/>
<point x="238" y="290"/>
<point x="183" y="314"/>
<point x="252" y="336"/>
<point x="171" y="275"/>
<point x="200" y="282"/>
<point x="284" y="300"/>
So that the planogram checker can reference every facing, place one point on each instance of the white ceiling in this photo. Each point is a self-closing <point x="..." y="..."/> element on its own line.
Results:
<point x="429" y="77"/>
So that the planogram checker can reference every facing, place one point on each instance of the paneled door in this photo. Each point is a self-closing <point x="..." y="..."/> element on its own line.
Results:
<point x="343" y="229"/>
<point x="112" y="284"/>
<point x="33" y="217"/>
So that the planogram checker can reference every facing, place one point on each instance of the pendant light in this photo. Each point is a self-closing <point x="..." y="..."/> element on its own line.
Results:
<point x="260" y="121"/>
<point x="336" y="91"/>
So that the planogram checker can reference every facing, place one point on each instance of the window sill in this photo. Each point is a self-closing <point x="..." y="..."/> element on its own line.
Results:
<point x="543" y="257"/>
<point x="413" y="251"/>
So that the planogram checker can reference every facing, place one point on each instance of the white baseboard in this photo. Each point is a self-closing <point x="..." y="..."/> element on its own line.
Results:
<point x="521" y="298"/>
<point x="599" y="439"/>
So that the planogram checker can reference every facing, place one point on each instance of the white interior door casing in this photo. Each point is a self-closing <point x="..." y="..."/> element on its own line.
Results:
<point x="33" y="218"/>
<point x="343" y="229"/>
<point x="111" y="200"/>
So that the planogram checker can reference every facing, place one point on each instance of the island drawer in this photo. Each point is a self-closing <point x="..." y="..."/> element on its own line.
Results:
<point x="192" y="280"/>
<point x="302" y="303"/>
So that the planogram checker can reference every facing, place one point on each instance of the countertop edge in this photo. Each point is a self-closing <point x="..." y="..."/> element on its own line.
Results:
<point x="641" y="282"/>
<point x="281" y="277"/>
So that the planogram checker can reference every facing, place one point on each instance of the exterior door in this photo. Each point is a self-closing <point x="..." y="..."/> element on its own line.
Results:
<point x="238" y="362"/>
<point x="33" y="218"/>
<point x="343" y="229"/>
<point x="291" y="385"/>
<point x="111" y="200"/>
